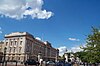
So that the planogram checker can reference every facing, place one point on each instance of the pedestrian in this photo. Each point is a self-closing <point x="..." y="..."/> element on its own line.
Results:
<point x="93" y="64"/>
<point x="41" y="62"/>
<point x="68" y="63"/>
<point x="75" y="64"/>
<point x="37" y="63"/>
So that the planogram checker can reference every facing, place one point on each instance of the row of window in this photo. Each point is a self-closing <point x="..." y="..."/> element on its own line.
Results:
<point x="37" y="47"/>
<point x="14" y="49"/>
<point x="15" y="39"/>
<point x="13" y="58"/>
<point x="13" y="43"/>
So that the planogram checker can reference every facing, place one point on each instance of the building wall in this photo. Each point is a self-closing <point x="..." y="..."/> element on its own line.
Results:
<point x="15" y="48"/>
<point x="1" y="50"/>
<point x="22" y="46"/>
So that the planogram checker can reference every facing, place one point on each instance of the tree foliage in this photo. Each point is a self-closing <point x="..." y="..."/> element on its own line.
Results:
<point x="92" y="49"/>
<point x="81" y="55"/>
<point x="91" y="53"/>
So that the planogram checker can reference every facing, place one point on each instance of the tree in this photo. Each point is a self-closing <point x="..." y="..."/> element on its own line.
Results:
<point x="92" y="48"/>
<point x="81" y="55"/>
<point x="61" y="58"/>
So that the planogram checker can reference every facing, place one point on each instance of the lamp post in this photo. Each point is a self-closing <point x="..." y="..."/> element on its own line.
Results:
<point x="4" y="55"/>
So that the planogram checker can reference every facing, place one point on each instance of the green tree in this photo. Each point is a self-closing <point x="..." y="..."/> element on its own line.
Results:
<point x="92" y="49"/>
<point x="81" y="55"/>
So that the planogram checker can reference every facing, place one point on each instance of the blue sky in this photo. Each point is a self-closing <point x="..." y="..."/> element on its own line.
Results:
<point x="70" y="21"/>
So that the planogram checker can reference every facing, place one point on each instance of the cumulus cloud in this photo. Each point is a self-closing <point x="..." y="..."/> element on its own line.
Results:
<point x="19" y="9"/>
<point x="62" y="50"/>
<point x="73" y="39"/>
<point x="76" y="49"/>
<point x="38" y="38"/>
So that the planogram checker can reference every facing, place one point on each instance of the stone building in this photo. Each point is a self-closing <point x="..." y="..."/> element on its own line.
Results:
<point x="22" y="46"/>
<point x="69" y="56"/>
<point x="1" y="50"/>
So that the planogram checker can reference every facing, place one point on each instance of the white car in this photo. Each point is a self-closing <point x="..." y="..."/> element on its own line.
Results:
<point x="50" y="62"/>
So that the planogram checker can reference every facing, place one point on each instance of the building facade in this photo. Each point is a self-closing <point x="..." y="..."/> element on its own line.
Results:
<point x="22" y="46"/>
<point x="1" y="50"/>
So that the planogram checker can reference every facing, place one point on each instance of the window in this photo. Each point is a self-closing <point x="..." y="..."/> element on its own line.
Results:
<point x="14" y="49"/>
<point x="20" y="48"/>
<point x="8" y="57"/>
<point x="19" y="58"/>
<point x="11" y="43"/>
<point x="12" y="58"/>
<point x="15" y="42"/>
<point x="10" y="49"/>
<point x="6" y="43"/>
<point x="20" y="42"/>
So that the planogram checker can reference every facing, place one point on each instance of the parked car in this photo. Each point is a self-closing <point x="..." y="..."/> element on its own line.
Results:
<point x="31" y="62"/>
<point x="50" y="63"/>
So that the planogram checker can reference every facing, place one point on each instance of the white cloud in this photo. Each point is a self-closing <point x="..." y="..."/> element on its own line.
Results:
<point x="38" y="38"/>
<point x="73" y="39"/>
<point x="62" y="50"/>
<point x="76" y="49"/>
<point x="18" y="9"/>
